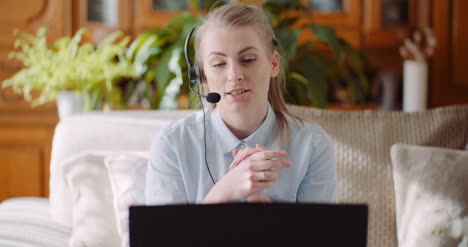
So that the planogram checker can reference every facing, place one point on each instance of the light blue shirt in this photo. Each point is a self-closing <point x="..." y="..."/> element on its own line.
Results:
<point x="177" y="172"/>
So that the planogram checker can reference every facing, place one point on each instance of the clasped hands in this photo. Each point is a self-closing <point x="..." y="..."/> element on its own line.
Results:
<point x="252" y="171"/>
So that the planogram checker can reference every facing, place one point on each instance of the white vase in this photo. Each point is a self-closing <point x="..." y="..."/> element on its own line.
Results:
<point x="69" y="102"/>
<point x="414" y="86"/>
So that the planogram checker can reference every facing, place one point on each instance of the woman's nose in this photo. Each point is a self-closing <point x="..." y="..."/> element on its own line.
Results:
<point x="235" y="73"/>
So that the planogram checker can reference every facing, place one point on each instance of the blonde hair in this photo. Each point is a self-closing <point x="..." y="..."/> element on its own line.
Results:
<point x="240" y="15"/>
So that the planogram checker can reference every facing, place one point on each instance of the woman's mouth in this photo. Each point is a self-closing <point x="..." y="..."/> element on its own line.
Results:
<point x="238" y="93"/>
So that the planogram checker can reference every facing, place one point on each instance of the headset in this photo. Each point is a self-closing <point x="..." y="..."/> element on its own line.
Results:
<point x="194" y="74"/>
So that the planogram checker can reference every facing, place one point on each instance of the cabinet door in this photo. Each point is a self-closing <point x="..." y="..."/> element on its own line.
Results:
<point x="25" y="146"/>
<point x="20" y="172"/>
<point x="387" y="22"/>
<point x="343" y="15"/>
<point x="449" y="83"/>
<point x="338" y="13"/>
<point x="101" y="17"/>
<point x="157" y="13"/>
<point x="27" y="15"/>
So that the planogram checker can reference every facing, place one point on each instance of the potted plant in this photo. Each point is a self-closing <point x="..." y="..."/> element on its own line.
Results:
<point x="70" y="65"/>
<point x="317" y="66"/>
<point x="158" y="57"/>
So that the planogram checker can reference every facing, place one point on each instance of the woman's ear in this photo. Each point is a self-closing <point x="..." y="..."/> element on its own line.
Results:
<point x="276" y="64"/>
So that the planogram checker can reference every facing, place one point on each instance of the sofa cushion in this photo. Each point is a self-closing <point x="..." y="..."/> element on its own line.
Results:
<point x="83" y="141"/>
<point x="99" y="131"/>
<point x="25" y="221"/>
<point x="430" y="188"/>
<point x="127" y="174"/>
<point x="93" y="220"/>
<point x="362" y="142"/>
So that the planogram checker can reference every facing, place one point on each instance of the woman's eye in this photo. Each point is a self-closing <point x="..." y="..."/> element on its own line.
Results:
<point x="219" y="64"/>
<point x="248" y="60"/>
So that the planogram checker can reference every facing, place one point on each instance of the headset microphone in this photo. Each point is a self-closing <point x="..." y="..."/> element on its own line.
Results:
<point x="194" y="74"/>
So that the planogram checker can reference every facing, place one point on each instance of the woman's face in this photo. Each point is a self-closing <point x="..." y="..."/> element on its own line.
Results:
<point x="237" y="66"/>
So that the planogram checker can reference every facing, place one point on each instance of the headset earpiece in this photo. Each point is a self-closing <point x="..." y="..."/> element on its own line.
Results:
<point x="194" y="74"/>
<point x="193" y="69"/>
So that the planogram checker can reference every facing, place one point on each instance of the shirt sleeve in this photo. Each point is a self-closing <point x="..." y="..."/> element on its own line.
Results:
<point x="164" y="183"/>
<point x="319" y="183"/>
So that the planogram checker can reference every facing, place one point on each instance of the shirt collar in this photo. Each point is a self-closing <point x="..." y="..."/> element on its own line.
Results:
<point x="228" y="141"/>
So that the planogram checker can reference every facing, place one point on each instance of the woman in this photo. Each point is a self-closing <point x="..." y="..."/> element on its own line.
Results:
<point x="256" y="151"/>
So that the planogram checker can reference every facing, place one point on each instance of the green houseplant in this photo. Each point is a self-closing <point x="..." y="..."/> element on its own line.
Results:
<point x="316" y="66"/>
<point x="71" y="65"/>
<point x="158" y="57"/>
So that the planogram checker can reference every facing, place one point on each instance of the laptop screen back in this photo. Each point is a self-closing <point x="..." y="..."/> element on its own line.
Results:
<point x="249" y="224"/>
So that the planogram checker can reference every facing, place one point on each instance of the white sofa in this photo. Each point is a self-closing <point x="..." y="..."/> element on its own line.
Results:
<point x="87" y="209"/>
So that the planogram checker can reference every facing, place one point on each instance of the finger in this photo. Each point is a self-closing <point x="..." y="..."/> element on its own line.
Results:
<point x="260" y="147"/>
<point x="268" y="154"/>
<point x="236" y="161"/>
<point x="266" y="175"/>
<point x="270" y="164"/>
<point x="248" y="152"/>
<point x="242" y="155"/>
<point x="263" y="185"/>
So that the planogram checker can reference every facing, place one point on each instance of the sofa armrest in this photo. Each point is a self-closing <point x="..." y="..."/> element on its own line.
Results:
<point x="26" y="221"/>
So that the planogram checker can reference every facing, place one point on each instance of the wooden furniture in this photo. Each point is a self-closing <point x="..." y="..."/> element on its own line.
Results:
<point x="25" y="146"/>
<point x="449" y="79"/>
<point x="25" y="133"/>
<point x="117" y="16"/>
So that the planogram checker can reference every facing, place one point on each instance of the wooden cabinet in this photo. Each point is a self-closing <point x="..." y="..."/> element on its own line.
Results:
<point x="344" y="15"/>
<point x="102" y="17"/>
<point x="28" y="15"/>
<point x="151" y="13"/>
<point x="449" y="80"/>
<point x="387" y="22"/>
<point x="25" y="147"/>
<point x="26" y="133"/>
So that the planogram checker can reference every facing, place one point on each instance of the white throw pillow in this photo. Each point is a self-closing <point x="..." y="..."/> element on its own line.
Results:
<point x="127" y="174"/>
<point x="430" y="188"/>
<point x="93" y="224"/>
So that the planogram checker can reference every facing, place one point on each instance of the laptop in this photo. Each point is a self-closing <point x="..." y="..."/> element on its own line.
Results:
<point x="249" y="224"/>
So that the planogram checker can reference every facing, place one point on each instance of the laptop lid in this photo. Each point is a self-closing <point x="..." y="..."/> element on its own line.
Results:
<point x="249" y="224"/>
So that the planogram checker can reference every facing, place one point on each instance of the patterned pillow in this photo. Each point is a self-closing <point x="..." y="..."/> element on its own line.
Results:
<point x="430" y="188"/>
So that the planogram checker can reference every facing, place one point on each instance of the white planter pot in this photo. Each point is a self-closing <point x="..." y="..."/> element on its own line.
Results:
<point x="414" y="86"/>
<point x="69" y="102"/>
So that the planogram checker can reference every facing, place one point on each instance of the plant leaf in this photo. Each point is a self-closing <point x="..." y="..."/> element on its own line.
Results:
<point x="312" y="69"/>
<point x="288" y="41"/>
<point x="162" y="72"/>
<point x="328" y="35"/>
